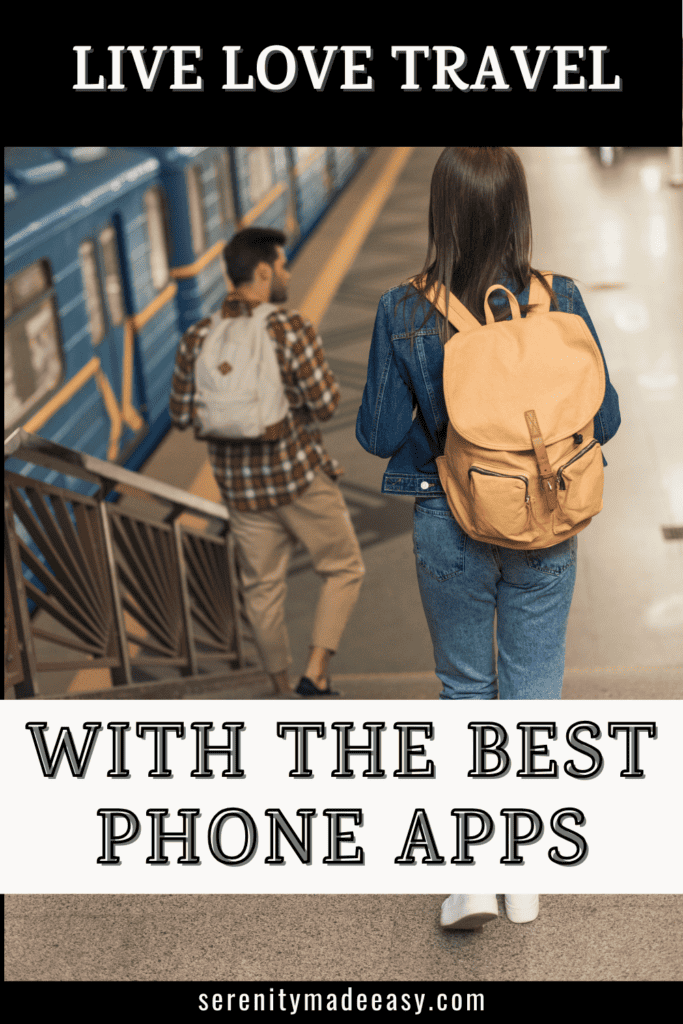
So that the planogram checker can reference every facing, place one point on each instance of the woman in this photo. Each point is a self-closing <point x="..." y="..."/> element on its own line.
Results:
<point x="479" y="235"/>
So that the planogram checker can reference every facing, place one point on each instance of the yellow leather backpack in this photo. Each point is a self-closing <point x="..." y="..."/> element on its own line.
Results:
<point x="521" y="467"/>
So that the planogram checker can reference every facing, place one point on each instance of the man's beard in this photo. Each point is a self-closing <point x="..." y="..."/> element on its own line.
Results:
<point x="278" y="293"/>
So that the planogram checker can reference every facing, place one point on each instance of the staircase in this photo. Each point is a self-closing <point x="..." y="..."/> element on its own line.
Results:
<point x="127" y="591"/>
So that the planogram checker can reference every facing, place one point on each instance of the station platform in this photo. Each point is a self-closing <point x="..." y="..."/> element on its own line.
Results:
<point x="618" y="231"/>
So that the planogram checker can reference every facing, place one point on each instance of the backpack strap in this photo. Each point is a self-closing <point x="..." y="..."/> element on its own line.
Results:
<point x="451" y="308"/>
<point x="538" y="296"/>
<point x="459" y="315"/>
<point x="546" y="474"/>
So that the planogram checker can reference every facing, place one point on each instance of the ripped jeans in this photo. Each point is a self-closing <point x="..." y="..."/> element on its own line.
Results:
<point x="463" y="582"/>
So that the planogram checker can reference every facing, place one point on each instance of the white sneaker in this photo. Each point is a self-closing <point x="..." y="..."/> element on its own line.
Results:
<point x="521" y="909"/>
<point x="468" y="911"/>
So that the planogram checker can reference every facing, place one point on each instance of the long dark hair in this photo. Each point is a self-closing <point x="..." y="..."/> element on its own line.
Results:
<point x="479" y="231"/>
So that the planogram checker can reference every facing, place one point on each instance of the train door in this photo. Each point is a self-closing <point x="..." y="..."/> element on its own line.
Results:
<point x="105" y="291"/>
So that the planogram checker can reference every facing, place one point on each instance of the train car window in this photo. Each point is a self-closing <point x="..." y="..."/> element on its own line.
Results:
<point x="112" y="275"/>
<point x="158" y="250"/>
<point x="260" y="173"/>
<point x="26" y="286"/>
<point x="33" y="356"/>
<point x="227" y="205"/>
<point x="279" y="162"/>
<point x="196" y="203"/>
<point x="93" y="290"/>
<point x="85" y="153"/>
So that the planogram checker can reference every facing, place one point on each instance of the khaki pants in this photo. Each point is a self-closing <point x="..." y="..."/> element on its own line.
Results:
<point x="264" y="542"/>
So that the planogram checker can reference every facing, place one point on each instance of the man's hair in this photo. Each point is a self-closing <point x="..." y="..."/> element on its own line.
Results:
<point x="248" y="248"/>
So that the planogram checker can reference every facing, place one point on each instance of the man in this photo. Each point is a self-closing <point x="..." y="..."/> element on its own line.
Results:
<point x="280" y="491"/>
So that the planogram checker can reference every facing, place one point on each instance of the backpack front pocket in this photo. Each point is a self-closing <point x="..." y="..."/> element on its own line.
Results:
<point x="501" y="505"/>
<point x="232" y="418"/>
<point x="579" y="488"/>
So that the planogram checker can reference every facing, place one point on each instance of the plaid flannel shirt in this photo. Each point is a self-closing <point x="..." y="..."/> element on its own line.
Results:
<point x="257" y="475"/>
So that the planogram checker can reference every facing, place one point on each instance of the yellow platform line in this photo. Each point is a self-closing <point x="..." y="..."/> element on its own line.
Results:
<point x="325" y="287"/>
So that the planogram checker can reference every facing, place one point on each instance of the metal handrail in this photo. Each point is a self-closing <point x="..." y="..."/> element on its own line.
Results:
<point x="124" y="591"/>
<point x="50" y="455"/>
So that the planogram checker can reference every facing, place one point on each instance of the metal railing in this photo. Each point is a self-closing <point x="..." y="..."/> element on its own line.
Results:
<point x="122" y="585"/>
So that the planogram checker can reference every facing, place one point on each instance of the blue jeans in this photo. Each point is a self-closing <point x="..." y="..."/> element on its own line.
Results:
<point x="463" y="582"/>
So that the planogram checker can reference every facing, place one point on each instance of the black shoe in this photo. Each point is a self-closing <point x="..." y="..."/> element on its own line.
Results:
<point x="307" y="688"/>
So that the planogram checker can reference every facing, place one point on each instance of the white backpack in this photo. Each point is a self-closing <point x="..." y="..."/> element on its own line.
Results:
<point x="239" y="392"/>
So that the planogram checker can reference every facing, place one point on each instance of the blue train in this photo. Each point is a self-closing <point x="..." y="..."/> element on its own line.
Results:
<point x="110" y="254"/>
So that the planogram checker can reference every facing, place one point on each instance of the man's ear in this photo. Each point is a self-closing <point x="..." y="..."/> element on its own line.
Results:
<point x="263" y="271"/>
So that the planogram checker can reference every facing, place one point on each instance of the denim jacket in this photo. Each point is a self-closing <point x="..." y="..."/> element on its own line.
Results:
<point x="403" y="413"/>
